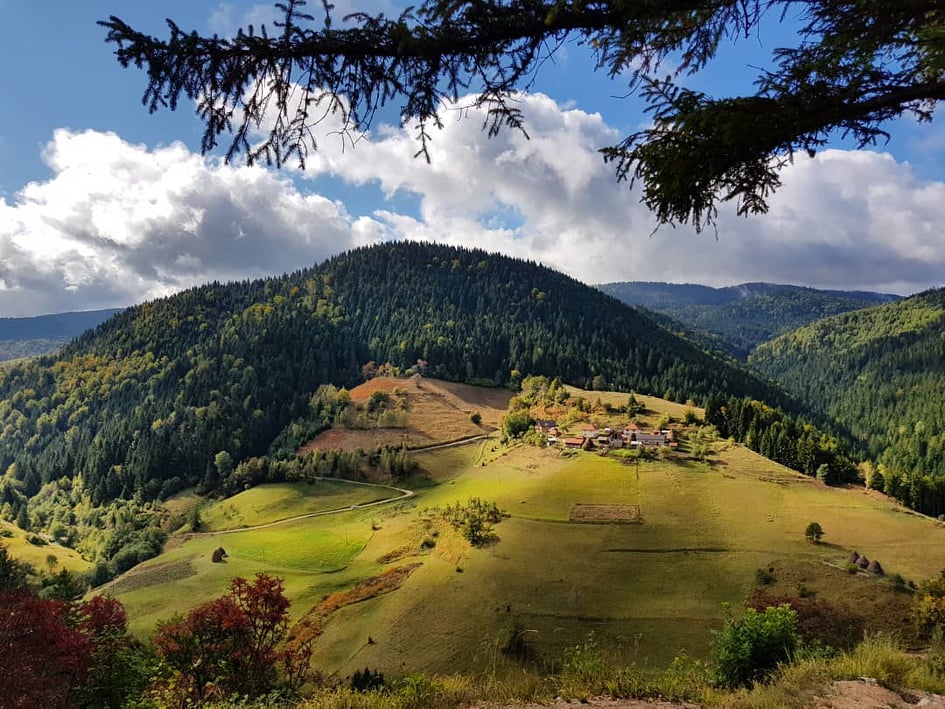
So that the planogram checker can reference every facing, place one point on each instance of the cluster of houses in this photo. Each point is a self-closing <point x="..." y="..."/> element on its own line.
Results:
<point x="591" y="436"/>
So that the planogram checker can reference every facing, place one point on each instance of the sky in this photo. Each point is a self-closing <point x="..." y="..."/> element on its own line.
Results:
<point x="105" y="205"/>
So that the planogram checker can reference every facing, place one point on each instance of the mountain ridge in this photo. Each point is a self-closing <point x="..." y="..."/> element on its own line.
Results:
<point x="740" y="317"/>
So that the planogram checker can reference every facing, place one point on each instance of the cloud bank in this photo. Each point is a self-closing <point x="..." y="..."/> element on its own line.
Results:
<point x="117" y="223"/>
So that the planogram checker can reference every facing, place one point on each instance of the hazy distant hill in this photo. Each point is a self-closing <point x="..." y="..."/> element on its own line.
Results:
<point x="27" y="337"/>
<point x="739" y="318"/>
<point x="881" y="373"/>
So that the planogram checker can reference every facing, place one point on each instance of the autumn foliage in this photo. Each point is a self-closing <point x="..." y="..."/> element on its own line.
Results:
<point x="232" y="645"/>
<point x="42" y="654"/>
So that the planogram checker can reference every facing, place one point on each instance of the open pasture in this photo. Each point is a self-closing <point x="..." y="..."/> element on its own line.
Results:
<point x="437" y="412"/>
<point x="40" y="556"/>
<point x="270" y="503"/>
<point x="314" y="556"/>
<point x="648" y="590"/>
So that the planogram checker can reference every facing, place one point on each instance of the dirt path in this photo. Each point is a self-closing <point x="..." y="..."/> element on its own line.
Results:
<point x="404" y="494"/>
<point x="451" y="444"/>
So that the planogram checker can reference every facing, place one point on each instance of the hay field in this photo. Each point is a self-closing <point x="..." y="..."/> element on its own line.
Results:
<point x="437" y="412"/>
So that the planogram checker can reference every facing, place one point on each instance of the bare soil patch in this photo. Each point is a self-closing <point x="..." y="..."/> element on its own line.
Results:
<point x="870" y="695"/>
<point x="605" y="514"/>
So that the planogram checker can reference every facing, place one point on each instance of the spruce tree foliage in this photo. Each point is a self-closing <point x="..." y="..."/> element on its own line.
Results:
<point x="854" y="67"/>
<point x="784" y="438"/>
<point x="878" y="372"/>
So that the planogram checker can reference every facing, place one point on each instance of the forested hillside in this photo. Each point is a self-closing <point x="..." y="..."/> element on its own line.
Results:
<point x="175" y="392"/>
<point x="739" y="318"/>
<point x="881" y="373"/>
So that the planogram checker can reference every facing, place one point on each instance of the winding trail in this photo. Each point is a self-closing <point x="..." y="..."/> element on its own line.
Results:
<point x="404" y="494"/>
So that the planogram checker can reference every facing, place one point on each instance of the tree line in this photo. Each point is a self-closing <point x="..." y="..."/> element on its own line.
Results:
<point x="783" y="438"/>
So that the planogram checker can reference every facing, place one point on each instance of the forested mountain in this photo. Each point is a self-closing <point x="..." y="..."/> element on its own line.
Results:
<point x="881" y="373"/>
<point x="145" y="404"/>
<point x="26" y="337"/>
<point x="738" y="318"/>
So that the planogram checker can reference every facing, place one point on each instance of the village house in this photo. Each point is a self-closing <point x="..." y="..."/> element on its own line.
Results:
<point x="546" y="426"/>
<point x="648" y="439"/>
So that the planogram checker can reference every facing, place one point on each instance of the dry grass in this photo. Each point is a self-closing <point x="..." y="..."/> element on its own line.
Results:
<point x="437" y="412"/>
<point x="627" y="514"/>
<point x="311" y="625"/>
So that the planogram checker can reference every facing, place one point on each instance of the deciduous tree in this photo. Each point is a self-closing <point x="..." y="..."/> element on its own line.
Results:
<point x="232" y="645"/>
<point x="854" y="67"/>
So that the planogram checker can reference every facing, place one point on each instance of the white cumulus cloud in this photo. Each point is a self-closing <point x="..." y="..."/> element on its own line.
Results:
<point x="845" y="219"/>
<point x="117" y="223"/>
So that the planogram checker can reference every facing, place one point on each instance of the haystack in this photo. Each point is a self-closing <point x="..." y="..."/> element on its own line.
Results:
<point x="854" y="556"/>
<point x="875" y="568"/>
<point x="863" y="562"/>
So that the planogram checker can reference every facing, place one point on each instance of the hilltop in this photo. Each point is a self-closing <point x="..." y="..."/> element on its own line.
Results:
<point x="739" y="318"/>
<point x="175" y="392"/>
<point x="881" y="373"/>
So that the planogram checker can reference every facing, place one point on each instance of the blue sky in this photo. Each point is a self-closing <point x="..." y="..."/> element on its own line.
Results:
<point x="102" y="204"/>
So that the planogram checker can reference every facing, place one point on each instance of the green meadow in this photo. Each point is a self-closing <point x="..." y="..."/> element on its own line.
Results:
<point x="313" y="555"/>
<point x="271" y="503"/>
<point x="647" y="590"/>
<point x="47" y="557"/>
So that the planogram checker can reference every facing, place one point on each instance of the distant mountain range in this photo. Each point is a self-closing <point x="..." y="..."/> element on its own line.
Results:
<point x="736" y="319"/>
<point x="27" y="337"/>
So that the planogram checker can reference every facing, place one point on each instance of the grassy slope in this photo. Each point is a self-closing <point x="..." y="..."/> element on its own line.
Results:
<point x="647" y="590"/>
<point x="270" y="503"/>
<point x="21" y="549"/>
<point x="437" y="412"/>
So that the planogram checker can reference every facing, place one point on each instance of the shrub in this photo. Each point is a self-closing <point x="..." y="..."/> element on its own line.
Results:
<point x="475" y="417"/>
<point x="748" y="650"/>
<point x="814" y="532"/>
<point x="764" y="577"/>
<point x="367" y="681"/>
